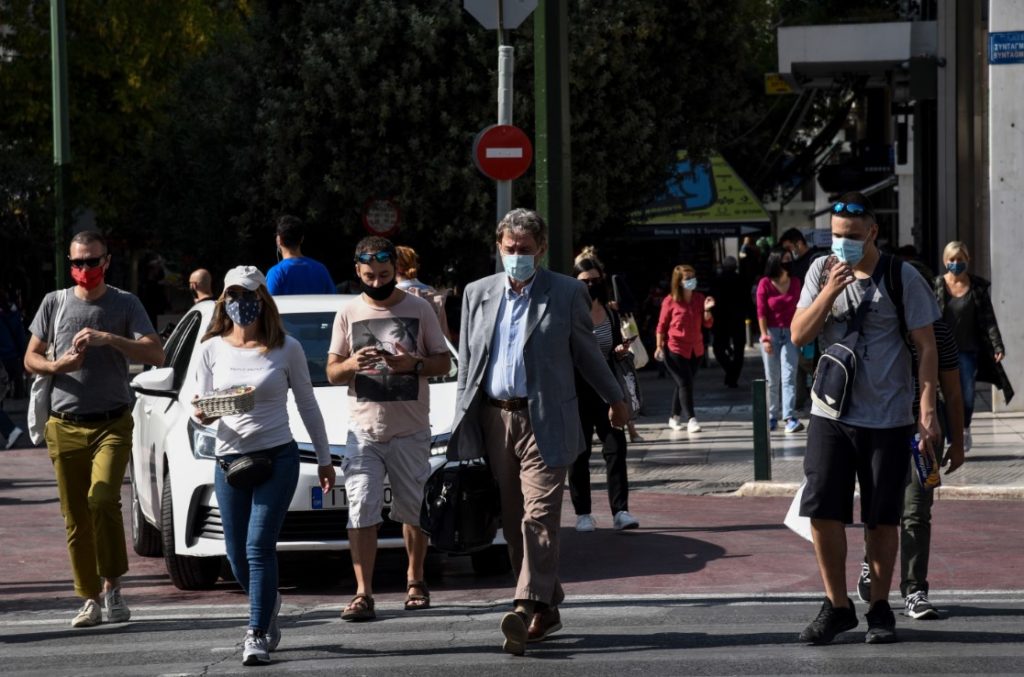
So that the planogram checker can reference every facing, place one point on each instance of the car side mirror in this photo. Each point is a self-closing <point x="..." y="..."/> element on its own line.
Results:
<point x="155" y="381"/>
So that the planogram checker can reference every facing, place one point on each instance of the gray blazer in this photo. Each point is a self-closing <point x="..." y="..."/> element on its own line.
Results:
<point x="559" y="336"/>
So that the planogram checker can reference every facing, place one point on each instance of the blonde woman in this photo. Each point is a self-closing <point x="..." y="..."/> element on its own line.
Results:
<point x="680" y="342"/>
<point x="966" y="306"/>
<point x="247" y="345"/>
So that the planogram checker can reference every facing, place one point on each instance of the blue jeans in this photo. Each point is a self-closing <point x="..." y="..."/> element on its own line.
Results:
<point x="252" y="520"/>
<point x="968" y="374"/>
<point x="780" y="372"/>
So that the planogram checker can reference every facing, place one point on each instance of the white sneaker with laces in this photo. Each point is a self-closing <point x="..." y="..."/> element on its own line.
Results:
<point x="117" y="608"/>
<point x="13" y="437"/>
<point x="623" y="520"/>
<point x="675" y="423"/>
<point x="585" y="523"/>
<point x="918" y="606"/>
<point x="967" y="439"/>
<point x="274" y="631"/>
<point x="88" y="616"/>
<point x="254" y="650"/>
<point x="692" y="426"/>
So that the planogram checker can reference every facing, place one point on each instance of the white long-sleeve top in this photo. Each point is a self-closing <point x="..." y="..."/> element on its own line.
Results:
<point x="222" y="365"/>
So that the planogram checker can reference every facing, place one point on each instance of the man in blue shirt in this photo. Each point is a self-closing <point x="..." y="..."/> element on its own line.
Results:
<point x="296" y="274"/>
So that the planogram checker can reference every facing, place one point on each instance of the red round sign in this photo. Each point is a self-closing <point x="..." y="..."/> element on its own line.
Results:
<point x="502" y="152"/>
<point x="381" y="217"/>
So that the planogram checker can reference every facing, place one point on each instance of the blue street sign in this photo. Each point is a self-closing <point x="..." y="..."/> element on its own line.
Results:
<point x="1006" y="47"/>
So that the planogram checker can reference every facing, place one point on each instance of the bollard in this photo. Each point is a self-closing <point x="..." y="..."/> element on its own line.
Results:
<point x="762" y="438"/>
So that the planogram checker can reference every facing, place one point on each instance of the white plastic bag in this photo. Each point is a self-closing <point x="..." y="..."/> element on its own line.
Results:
<point x="801" y="526"/>
<point x="39" y="394"/>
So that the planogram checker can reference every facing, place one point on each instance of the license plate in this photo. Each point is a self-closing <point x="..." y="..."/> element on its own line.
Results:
<point x="336" y="498"/>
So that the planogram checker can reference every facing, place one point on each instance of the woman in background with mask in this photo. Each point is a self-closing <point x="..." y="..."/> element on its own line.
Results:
<point x="246" y="344"/>
<point x="594" y="411"/>
<point x="680" y="343"/>
<point x="777" y="295"/>
<point x="966" y="307"/>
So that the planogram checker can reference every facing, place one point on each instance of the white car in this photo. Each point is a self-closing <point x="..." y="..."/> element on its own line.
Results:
<point x="174" y="509"/>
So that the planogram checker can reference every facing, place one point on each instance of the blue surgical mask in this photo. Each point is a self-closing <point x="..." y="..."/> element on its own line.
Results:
<point x="520" y="267"/>
<point x="243" y="312"/>
<point x="847" y="250"/>
<point x="690" y="284"/>
<point x="956" y="267"/>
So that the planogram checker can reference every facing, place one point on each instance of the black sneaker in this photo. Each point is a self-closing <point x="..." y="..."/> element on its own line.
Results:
<point x="829" y="623"/>
<point x="918" y="606"/>
<point x="881" y="624"/>
<point x="864" y="583"/>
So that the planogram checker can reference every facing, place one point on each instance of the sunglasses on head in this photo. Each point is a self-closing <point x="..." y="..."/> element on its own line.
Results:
<point x="379" y="257"/>
<point x="236" y="294"/>
<point x="87" y="263"/>
<point x="851" y="209"/>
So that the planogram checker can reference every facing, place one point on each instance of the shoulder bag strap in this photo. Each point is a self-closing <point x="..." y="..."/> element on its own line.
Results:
<point x="865" y="303"/>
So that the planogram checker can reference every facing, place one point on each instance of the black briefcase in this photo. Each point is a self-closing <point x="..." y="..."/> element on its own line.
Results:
<point x="461" y="508"/>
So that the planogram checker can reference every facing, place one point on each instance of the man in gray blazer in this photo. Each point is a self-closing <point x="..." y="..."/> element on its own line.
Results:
<point x="523" y="333"/>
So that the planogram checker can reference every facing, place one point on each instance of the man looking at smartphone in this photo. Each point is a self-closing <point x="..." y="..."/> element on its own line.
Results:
<point x="384" y="346"/>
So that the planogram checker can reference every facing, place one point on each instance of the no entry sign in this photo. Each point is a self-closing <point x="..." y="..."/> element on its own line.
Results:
<point x="502" y="152"/>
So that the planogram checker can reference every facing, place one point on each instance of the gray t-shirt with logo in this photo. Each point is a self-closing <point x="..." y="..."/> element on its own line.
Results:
<point x="883" y="391"/>
<point x="102" y="382"/>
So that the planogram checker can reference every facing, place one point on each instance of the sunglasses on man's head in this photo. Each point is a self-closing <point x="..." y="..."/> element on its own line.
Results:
<point x="236" y="294"/>
<point x="87" y="263"/>
<point x="379" y="257"/>
<point x="851" y="209"/>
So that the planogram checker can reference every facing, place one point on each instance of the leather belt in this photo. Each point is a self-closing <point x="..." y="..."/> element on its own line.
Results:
<point x="515" y="404"/>
<point x="90" y="418"/>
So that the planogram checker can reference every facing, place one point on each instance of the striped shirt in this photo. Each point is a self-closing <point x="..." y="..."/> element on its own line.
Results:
<point x="949" y="356"/>
<point x="603" y="334"/>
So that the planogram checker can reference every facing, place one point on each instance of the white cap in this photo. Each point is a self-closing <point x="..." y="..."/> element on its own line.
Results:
<point x="248" y="277"/>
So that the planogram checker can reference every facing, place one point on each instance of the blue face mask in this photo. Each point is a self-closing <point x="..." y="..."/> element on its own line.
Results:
<point x="690" y="284"/>
<point x="956" y="267"/>
<point x="243" y="312"/>
<point x="520" y="267"/>
<point x="847" y="250"/>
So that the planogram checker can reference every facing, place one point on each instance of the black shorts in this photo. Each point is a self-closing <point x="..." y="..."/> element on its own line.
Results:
<point x="837" y="453"/>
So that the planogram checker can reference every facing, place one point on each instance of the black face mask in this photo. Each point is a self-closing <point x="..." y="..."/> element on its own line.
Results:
<point x="787" y="266"/>
<point x="598" y="292"/>
<point x="382" y="292"/>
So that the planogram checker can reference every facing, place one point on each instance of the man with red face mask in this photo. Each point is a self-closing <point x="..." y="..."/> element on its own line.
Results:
<point x="96" y="329"/>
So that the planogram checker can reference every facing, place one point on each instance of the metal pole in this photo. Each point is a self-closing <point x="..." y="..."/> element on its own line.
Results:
<point x="61" y="141"/>
<point x="552" y="160"/>
<point x="505" y="76"/>
<point x="762" y="438"/>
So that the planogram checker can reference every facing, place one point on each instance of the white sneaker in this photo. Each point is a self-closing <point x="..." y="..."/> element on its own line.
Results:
<point x="585" y="523"/>
<point x="623" y="520"/>
<point x="117" y="608"/>
<point x="675" y="423"/>
<point x="967" y="439"/>
<point x="88" y="616"/>
<point x="274" y="631"/>
<point x="254" y="651"/>
<point x="13" y="437"/>
<point x="692" y="426"/>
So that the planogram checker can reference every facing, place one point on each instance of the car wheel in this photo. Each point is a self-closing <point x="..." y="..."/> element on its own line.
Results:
<point x="187" y="573"/>
<point x="491" y="561"/>
<point x="145" y="536"/>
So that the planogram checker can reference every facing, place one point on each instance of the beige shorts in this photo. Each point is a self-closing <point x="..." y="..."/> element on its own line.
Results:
<point x="405" y="461"/>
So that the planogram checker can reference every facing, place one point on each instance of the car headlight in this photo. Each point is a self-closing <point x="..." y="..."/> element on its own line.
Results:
<point x="203" y="440"/>
<point x="439" y="444"/>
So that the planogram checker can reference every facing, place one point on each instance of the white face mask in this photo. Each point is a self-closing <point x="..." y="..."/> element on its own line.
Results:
<point x="690" y="284"/>
<point x="520" y="267"/>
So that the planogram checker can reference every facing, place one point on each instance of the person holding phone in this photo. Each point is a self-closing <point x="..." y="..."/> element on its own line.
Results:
<point x="594" y="412"/>
<point x="247" y="344"/>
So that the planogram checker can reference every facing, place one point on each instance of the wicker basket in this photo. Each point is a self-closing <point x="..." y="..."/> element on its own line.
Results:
<point x="227" y="401"/>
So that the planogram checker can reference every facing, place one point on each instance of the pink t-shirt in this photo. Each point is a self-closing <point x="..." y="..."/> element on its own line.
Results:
<point x="777" y="308"/>
<point x="383" y="404"/>
<point x="681" y="322"/>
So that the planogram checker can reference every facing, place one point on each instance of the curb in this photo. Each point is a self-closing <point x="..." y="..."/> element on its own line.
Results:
<point x="762" y="489"/>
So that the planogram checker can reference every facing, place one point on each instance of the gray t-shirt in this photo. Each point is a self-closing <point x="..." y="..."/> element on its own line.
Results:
<point x="102" y="382"/>
<point x="883" y="392"/>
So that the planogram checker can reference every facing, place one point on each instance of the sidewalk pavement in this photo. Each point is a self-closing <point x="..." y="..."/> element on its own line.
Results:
<point x="720" y="458"/>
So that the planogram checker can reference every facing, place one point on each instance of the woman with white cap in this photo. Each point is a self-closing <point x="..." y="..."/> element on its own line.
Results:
<point x="246" y="344"/>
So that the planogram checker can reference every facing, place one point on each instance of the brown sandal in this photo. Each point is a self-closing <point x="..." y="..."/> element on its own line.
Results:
<point x="359" y="609"/>
<point x="415" y="602"/>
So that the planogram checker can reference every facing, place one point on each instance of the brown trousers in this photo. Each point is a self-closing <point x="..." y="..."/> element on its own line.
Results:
<point x="531" y="502"/>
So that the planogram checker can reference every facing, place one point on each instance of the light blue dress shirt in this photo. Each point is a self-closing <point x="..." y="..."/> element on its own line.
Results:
<point x="505" y="378"/>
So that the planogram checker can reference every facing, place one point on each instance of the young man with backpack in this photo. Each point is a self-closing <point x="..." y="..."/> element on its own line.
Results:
<point x="870" y="437"/>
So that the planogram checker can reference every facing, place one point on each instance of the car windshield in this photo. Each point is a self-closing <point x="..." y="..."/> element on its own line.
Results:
<point x="313" y="331"/>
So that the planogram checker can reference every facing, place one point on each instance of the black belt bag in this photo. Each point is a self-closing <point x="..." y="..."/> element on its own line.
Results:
<point x="252" y="469"/>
